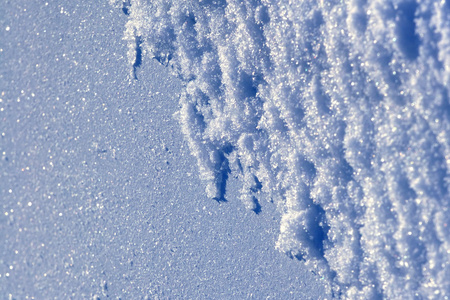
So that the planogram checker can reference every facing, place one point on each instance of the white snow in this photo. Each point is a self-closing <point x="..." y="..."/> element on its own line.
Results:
<point x="98" y="197"/>
<point x="339" y="110"/>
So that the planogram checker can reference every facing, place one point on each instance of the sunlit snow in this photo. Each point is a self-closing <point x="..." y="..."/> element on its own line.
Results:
<point x="339" y="110"/>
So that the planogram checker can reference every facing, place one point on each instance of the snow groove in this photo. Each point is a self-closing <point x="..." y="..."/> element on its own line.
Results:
<point x="337" y="109"/>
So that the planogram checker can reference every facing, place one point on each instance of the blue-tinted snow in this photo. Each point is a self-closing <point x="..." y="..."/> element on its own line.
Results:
<point x="338" y="110"/>
<point x="99" y="195"/>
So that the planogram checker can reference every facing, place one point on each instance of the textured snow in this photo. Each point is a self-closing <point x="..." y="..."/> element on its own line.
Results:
<point x="339" y="110"/>
<point x="98" y="193"/>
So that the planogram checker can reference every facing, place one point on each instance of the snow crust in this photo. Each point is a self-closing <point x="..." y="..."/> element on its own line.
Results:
<point x="339" y="110"/>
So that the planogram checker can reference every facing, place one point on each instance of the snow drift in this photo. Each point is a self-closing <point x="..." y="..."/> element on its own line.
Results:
<point x="339" y="110"/>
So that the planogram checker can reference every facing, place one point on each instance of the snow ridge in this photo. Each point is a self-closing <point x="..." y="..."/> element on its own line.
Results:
<point x="337" y="109"/>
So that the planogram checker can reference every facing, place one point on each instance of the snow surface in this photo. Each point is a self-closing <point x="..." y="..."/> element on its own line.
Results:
<point x="338" y="110"/>
<point x="99" y="195"/>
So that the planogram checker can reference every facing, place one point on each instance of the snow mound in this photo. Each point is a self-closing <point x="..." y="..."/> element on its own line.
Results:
<point x="337" y="109"/>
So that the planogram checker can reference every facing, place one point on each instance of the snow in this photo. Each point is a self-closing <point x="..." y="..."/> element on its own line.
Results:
<point x="338" y="110"/>
<point x="329" y="120"/>
<point x="99" y="195"/>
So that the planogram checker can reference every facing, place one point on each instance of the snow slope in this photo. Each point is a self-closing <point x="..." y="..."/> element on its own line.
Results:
<point x="99" y="197"/>
<point x="339" y="110"/>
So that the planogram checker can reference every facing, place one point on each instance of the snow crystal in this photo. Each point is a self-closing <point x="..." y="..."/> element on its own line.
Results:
<point x="337" y="109"/>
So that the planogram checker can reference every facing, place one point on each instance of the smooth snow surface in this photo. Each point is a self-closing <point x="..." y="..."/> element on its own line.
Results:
<point x="339" y="110"/>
